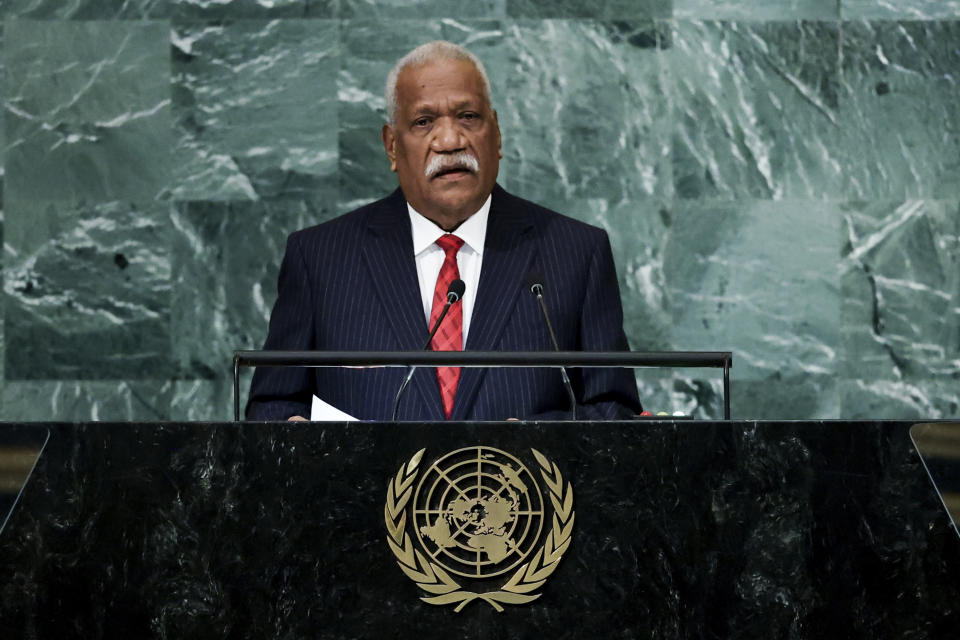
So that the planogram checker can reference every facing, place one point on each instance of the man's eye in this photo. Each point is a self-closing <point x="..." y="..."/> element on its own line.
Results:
<point x="469" y="116"/>
<point x="421" y="122"/>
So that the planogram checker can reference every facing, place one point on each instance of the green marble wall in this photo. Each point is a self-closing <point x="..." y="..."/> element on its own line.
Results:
<point x="779" y="178"/>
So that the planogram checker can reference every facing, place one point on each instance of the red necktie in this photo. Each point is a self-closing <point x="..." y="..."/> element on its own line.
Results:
<point x="450" y="335"/>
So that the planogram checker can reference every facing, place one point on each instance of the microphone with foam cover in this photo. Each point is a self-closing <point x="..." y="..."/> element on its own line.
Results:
<point x="454" y="293"/>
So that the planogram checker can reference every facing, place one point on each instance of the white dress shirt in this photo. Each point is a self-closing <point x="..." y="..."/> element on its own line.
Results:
<point x="429" y="257"/>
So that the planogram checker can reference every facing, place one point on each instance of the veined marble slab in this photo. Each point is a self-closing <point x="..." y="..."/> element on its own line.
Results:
<point x="900" y="275"/>
<point x="87" y="9"/>
<point x="255" y="104"/>
<point x="421" y="10"/>
<point x="597" y="9"/>
<point x="251" y="9"/>
<point x="87" y="292"/>
<point x="762" y="284"/>
<point x="226" y="259"/>
<point x="757" y="9"/>
<point x="87" y="111"/>
<point x="755" y="110"/>
<point x="199" y="400"/>
<point x="899" y="113"/>
<point x="584" y="113"/>
<point x="900" y="9"/>
<point x="46" y="400"/>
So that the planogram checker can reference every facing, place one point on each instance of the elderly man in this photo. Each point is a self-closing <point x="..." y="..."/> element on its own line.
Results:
<point x="375" y="279"/>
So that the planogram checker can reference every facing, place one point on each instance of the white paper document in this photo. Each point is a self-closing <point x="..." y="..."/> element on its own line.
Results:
<point x="321" y="411"/>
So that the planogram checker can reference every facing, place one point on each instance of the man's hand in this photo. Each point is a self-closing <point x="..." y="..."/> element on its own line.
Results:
<point x="297" y="419"/>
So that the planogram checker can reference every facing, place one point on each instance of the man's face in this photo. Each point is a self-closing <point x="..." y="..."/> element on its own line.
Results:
<point x="442" y="121"/>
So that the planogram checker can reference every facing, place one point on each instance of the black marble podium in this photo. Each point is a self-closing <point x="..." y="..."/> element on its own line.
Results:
<point x="683" y="530"/>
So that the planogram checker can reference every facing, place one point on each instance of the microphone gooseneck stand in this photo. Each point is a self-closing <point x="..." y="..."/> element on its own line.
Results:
<point x="536" y="288"/>
<point x="454" y="293"/>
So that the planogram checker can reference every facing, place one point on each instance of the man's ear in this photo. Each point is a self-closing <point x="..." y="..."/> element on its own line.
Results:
<point x="390" y="145"/>
<point x="496" y="123"/>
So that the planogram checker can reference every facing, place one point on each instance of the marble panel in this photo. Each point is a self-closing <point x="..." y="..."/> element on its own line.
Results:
<point x="251" y="9"/>
<point x="4" y="91"/>
<point x="653" y="387"/>
<point x="255" y="108"/>
<point x="3" y="145"/>
<point x="787" y="395"/>
<point x="87" y="292"/>
<point x="425" y="9"/>
<point x="899" y="111"/>
<point x="226" y="258"/>
<point x="205" y="400"/>
<point x="88" y="111"/>
<point x="699" y="393"/>
<point x="899" y="400"/>
<point x="597" y="9"/>
<point x="87" y="9"/>
<point x="638" y="232"/>
<point x="901" y="307"/>
<point x="3" y="341"/>
<point x="370" y="48"/>
<point x="759" y="278"/>
<point x="583" y="112"/>
<point x="755" y="110"/>
<point x="690" y="392"/>
<point x="757" y="9"/>
<point x="900" y="9"/>
<point x="69" y="400"/>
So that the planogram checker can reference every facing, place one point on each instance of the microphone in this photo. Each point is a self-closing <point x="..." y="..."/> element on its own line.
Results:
<point x="536" y="288"/>
<point x="454" y="294"/>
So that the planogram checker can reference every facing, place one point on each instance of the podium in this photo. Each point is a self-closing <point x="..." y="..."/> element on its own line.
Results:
<point x="681" y="530"/>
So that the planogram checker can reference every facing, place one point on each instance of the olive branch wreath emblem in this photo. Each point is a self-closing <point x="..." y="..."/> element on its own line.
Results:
<point x="433" y="579"/>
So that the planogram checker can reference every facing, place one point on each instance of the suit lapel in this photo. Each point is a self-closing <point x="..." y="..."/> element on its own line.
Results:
<point x="507" y="254"/>
<point x="388" y="254"/>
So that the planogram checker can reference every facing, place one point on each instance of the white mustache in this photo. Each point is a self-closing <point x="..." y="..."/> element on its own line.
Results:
<point x="446" y="162"/>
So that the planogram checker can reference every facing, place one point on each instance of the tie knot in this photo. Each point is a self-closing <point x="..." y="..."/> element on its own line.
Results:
<point x="450" y="243"/>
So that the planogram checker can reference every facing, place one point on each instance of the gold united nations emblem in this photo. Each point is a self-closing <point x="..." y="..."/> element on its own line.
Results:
<point x="478" y="517"/>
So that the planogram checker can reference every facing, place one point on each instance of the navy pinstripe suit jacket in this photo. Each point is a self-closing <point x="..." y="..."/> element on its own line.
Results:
<point x="351" y="284"/>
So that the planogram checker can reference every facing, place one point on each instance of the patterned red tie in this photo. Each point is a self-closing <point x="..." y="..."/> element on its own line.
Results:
<point x="450" y="335"/>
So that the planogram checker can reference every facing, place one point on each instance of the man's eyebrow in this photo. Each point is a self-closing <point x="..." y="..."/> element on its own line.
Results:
<point x="423" y="107"/>
<point x="463" y="104"/>
<point x="431" y="108"/>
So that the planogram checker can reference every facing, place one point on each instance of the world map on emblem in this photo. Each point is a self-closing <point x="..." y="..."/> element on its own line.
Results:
<point x="478" y="512"/>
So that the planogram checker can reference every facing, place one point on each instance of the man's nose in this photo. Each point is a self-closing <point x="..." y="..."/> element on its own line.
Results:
<point x="447" y="136"/>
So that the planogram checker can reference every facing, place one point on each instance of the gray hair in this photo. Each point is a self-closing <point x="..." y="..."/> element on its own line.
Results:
<point x="424" y="54"/>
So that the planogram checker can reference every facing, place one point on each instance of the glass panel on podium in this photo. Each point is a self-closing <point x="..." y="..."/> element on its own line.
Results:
<point x="938" y="444"/>
<point x="20" y="448"/>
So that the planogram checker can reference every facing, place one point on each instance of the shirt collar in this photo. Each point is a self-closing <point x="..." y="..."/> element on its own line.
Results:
<point x="473" y="231"/>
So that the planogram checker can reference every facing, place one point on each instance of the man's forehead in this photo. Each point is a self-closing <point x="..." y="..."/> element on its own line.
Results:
<point x="458" y="78"/>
